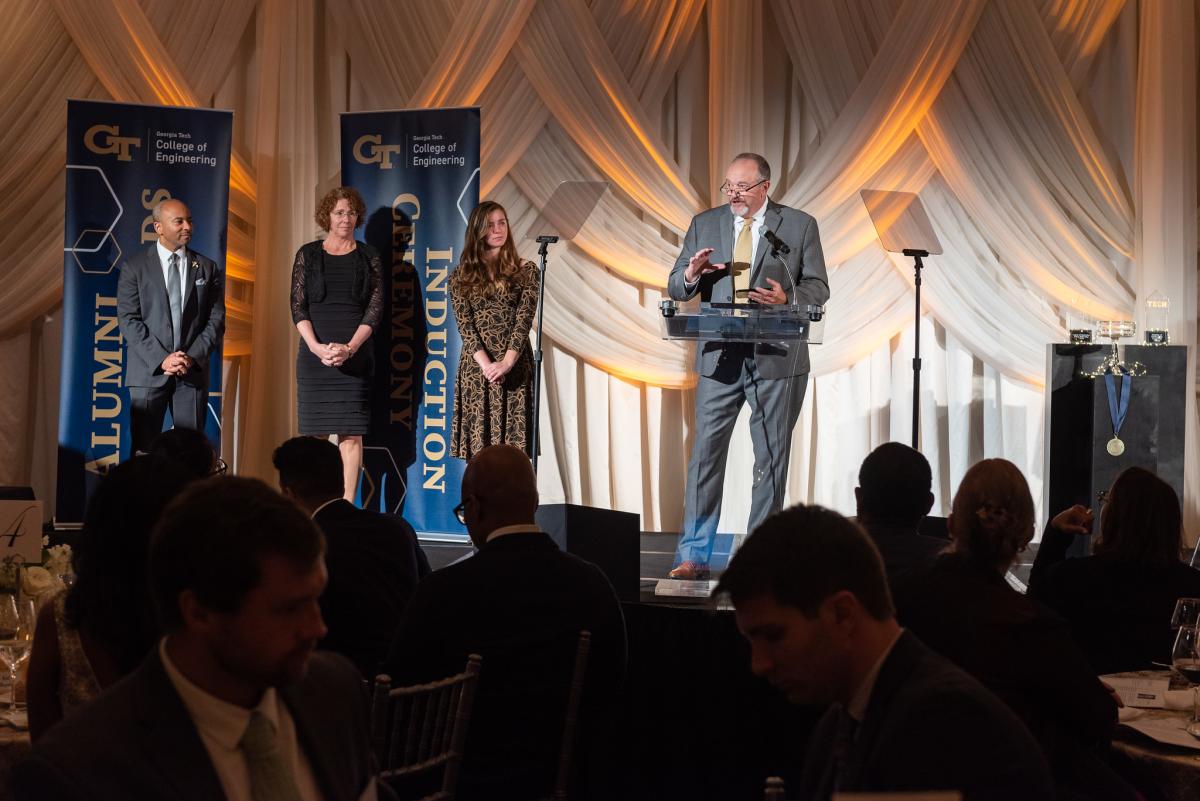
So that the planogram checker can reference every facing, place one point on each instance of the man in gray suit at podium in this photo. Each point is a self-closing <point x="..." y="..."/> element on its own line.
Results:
<point x="171" y="305"/>
<point x="769" y="254"/>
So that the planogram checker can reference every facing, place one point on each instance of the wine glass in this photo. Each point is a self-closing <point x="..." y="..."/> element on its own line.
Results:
<point x="1184" y="656"/>
<point x="17" y="620"/>
<point x="1187" y="613"/>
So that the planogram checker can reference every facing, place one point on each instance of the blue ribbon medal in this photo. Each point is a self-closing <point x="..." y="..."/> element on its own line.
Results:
<point x="1118" y="408"/>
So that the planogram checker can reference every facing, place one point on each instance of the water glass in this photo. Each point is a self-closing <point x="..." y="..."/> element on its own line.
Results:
<point x="1187" y="613"/>
<point x="17" y="619"/>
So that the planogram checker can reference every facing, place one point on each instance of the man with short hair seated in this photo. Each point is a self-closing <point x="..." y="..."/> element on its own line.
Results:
<point x="232" y="703"/>
<point x="519" y="603"/>
<point x="374" y="560"/>
<point x="894" y="494"/>
<point x="810" y="595"/>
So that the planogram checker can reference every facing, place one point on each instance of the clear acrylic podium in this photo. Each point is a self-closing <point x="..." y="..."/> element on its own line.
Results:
<point x="743" y="322"/>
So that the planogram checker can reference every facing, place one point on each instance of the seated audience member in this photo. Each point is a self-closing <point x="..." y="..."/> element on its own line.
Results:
<point x="190" y="449"/>
<point x="894" y="494"/>
<point x="962" y="607"/>
<point x="810" y="595"/>
<point x="520" y="603"/>
<point x="232" y="703"/>
<point x="372" y="558"/>
<point x="1119" y="600"/>
<point x="100" y="629"/>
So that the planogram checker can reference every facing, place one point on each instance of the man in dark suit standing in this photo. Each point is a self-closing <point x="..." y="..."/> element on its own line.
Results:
<point x="520" y="603"/>
<point x="374" y="560"/>
<point x="233" y="703"/>
<point x="894" y="494"/>
<point x="749" y="235"/>
<point x="171" y="305"/>
<point x="810" y="595"/>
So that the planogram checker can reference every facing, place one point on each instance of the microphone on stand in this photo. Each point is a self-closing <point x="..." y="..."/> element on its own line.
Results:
<point x="777" y="244"/>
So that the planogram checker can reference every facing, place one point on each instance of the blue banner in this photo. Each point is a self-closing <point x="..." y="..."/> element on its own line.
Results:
<point x="418" y="172"/>
<point x="122" y="160"/>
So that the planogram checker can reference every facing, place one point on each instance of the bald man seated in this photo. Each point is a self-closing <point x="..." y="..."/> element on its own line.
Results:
<point x="520" y="603"/>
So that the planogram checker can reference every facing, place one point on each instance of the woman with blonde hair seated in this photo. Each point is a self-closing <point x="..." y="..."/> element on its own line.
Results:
<point x="963" y="607"/>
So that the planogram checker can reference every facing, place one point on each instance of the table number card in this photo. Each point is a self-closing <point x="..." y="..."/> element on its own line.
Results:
<point x="20" y="532"/>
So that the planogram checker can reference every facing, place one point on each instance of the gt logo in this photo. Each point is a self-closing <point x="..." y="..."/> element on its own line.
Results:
<point x="369" y="150"/>
<point x="110" y="141"/>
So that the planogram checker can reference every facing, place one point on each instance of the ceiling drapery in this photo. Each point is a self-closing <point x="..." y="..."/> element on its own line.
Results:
<point x="983" y="108"/>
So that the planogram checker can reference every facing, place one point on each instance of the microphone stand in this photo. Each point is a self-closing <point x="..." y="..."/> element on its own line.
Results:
<point x="543" y="250"/>
<point x="916" y="256"/>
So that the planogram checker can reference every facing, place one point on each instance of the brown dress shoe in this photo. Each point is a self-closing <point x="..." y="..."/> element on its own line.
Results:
<point x="690" y="571"/>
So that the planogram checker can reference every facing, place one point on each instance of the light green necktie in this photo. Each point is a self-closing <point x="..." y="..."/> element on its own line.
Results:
<point x="271" y="777"/>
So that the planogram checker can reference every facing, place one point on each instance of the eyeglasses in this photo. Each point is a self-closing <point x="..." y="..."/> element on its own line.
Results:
<point x="738" y="189"/>
<point x="344" y="213"/>
<point x="460" y="512"/>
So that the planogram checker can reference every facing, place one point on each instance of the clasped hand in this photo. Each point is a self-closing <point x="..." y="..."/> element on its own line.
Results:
<point x="333" y="354"/>
<point x="177" y="363"/>
<point x="494" y="372"/>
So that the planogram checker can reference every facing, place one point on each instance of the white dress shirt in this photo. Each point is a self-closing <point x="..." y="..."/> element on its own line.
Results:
<point x="164" y="259"/>
<point x="221" y="726"/>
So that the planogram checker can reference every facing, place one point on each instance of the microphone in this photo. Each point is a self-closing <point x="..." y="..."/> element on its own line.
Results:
<point x="777" y="244"/>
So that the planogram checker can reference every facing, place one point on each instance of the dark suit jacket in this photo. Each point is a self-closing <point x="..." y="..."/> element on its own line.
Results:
<point x="373" y="571"/>
<point x="137" y="741"/>
<point x="805" y="264"/>
<point x="929" y="726"/>
<point x="1119" y="612"/>
<point x="520" y="604"/>
<point x="1023" y="653"/>
<point x="144" y="310"/>
<point x="903" y="548"/>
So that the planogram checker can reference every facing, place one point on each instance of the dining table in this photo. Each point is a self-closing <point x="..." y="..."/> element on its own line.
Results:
<point x="1157" y="745"/>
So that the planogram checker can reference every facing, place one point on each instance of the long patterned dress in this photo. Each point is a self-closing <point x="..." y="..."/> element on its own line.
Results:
<point x="485" y="413"/>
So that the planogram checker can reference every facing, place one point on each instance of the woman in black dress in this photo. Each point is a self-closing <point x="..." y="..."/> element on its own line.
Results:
<point x="337" y="300"/>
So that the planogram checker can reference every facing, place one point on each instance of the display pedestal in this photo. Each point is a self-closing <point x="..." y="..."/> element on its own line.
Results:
<point x="1079" y="425"/>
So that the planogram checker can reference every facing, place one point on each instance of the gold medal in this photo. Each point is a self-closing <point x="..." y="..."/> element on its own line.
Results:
<point x="1115" y="446"/>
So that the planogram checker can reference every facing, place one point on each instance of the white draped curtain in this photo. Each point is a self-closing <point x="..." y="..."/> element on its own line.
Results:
<point x="1053" y="143"/>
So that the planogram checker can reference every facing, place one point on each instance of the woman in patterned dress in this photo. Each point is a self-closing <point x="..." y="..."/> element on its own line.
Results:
<point x="494" y="294"/>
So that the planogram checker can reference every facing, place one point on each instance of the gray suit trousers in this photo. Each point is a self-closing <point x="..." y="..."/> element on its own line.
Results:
<point x="774" y="409"/>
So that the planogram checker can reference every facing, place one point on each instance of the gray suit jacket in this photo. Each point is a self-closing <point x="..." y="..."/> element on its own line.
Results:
<point x="805" y="263"/>
<point x="144" y="311"/>
<point x="137" y="740"/>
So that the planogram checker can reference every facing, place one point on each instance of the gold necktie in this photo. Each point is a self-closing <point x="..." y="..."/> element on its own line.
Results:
<point x="743" y="250"/>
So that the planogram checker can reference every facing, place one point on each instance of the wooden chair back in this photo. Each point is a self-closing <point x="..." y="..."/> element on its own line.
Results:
<point x="421" y="729"/>
<point x="571" y="719"/>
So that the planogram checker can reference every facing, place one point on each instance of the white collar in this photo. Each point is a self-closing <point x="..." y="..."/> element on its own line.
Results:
<point x="164" y="255"/>
<point x="520" y="528"/>
<point x="224" y="722"/>
<point x="757" y="216"/>
<point x="857" y="707"/>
